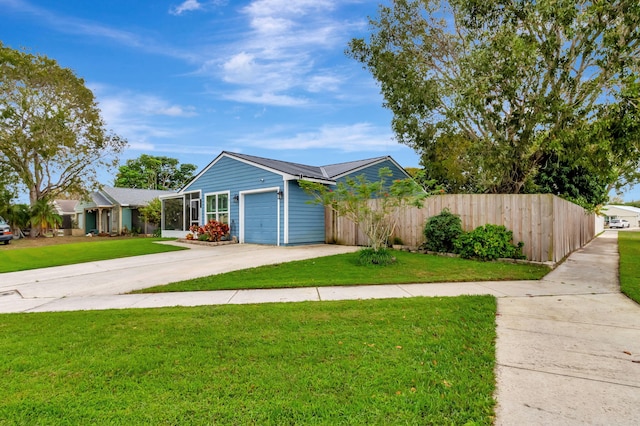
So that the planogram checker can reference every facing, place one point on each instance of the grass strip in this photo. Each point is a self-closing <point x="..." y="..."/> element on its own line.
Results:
<point x="374" y="362"/>
<point x="343" y="269"/>
<point x="69" y="254"/>
<point x="629" y="248"/>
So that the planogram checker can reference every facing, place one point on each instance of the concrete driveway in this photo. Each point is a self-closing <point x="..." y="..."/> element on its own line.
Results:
<point x="27" y="290"/>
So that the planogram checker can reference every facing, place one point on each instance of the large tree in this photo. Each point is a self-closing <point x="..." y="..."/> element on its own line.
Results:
<point x="498" y="87"/>
<point x="51" y="133"/>
<point x="151" y="172"/>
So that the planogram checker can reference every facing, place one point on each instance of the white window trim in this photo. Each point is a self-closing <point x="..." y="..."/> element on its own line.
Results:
<point x="186" y="221"/>
<point x="209" y="194"/>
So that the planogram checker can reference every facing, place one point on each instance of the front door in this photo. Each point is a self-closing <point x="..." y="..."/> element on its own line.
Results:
<point x="194" y="216"/>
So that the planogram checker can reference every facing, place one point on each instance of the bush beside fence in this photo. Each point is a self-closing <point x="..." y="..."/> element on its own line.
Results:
<point x="549" y="226"/>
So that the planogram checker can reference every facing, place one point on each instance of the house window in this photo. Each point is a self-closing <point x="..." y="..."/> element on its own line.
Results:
<point x="173" y="214"/>
<point x="218" y="207"/>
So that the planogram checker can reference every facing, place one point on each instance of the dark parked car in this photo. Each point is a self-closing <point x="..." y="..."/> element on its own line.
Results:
<point x="5" y="231"/>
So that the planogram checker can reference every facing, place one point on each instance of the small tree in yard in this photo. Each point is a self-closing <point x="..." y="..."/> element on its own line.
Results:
<point x="152" y="212"/>
<point x="370" y="205"/>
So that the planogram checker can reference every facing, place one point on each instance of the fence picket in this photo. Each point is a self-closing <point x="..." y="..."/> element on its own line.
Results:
<point x="549" y="226"/>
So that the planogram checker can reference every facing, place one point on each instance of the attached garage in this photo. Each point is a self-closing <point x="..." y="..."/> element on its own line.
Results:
<point x="260" y="198"/>
<point x="260" y="217"/>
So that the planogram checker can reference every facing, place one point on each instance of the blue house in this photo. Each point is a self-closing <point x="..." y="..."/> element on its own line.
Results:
<point x="260" y="198"/>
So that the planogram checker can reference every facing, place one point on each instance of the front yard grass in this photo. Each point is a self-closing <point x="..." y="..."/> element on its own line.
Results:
<point x="374" y="362"/>
<point x="343" y="269"/>
<point x="629" y="248"/>
<point x="67" y="254"/>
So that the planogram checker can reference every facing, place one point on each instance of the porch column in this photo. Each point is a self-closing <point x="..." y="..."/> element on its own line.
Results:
<point x="99" y="220"/>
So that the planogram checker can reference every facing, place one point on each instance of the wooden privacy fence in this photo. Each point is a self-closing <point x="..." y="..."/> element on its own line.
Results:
<point x="549" y="226"/>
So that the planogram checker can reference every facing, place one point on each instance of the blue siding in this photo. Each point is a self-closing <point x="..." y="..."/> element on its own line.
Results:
<point x="306" y="221"/>
<point x="229" y="174"/>
<point x="371" y="172"/>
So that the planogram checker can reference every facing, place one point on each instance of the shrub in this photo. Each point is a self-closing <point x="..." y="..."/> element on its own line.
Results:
<point x="488" y="242"/>
<point x="211" y="231"/>
<point x="369" y="256"/>
<point x="441" y="231"/>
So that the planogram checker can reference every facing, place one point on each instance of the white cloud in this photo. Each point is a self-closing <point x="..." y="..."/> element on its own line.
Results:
<point x="140" y="118"/>
<point x="240" y="67"/>
<point x="265" y="98"/>
<point x="288" y="7"/>
<point x="275" y="60"/>
<point x="186" y="6"/>
<point x="345" y="138"/>
<point x="323" y="83"/>
<point x="193" y="5"/>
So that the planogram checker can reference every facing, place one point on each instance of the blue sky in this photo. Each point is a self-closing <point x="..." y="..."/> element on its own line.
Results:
<point x="188" y="79"/>
<point x="191" y="78"/>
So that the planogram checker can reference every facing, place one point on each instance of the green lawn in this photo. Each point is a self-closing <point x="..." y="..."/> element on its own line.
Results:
<point x="343" y="270"/>
<point x="375" y="362"/>
<point x="629" y="247"/>
<point x="68" y="254"/>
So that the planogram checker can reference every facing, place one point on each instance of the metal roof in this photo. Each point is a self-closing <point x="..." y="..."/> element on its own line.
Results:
<point x="330" y="171"/>
<point x="327" y="174"/>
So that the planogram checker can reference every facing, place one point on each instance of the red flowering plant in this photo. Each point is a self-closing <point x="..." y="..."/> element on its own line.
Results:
<point x="210" y="231"/>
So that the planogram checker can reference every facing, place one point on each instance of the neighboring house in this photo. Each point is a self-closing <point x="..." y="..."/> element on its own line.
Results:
<point x="67" y="210"/>
<point x="628" y="213"/>
<point x="260" y="198"/>
<point x="115" y="210"/>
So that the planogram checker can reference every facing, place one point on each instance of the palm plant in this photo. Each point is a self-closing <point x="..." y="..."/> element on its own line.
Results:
<point x="18" y="216"/>
<point x="43" y="215"/>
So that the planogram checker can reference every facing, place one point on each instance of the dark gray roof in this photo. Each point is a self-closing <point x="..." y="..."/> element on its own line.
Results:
<point x="328" y="172"/>
<point x="130" y="196"/>
<point x="294" y="169"/>
<point x="340" y="169"/>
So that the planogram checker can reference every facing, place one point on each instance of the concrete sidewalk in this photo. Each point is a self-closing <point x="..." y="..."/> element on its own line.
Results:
<point x="571" y="357"/>
<point x="568" y="347"/>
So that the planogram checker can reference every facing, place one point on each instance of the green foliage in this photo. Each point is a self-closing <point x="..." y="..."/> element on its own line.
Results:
<point x="489" y="242"/>
<point x="17" y="215"/>
<point x="211" y="231"/>
<point x="571" y="182"/>
<point x="344" y="269"/>
<point x="151" y="172"/>
<point x="51" y="134"/>
<point x="43" y="215"/>
<point x="92" y="249"/>
<point x="369" y="256"/>
<point x="629" y="247"/>
<point x="486" y="96"/>
<point x="441" y="231"/>
<point x="152" y="212"/>
<point x="370" y="205"/>
<point x="362" y="362"/>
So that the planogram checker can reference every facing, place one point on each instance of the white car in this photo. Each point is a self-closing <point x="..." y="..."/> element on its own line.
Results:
<point x="618" y="223"/>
